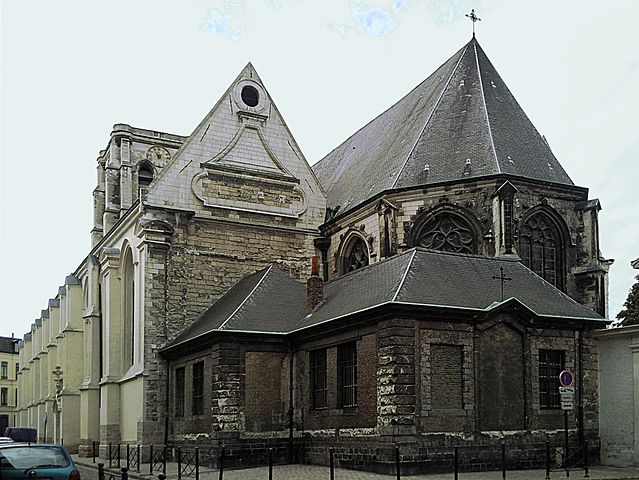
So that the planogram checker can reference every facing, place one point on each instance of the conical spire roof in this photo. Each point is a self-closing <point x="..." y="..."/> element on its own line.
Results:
<point x="461" y="122"/>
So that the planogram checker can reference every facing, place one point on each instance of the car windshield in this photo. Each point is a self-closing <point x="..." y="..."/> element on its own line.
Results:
<point x="29" y="456"/>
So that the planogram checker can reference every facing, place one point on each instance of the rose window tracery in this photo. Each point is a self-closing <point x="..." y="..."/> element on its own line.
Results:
<point x="449" y="233"/>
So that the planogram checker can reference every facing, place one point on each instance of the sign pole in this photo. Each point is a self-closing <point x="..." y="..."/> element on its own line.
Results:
<point x="566" y="446"/>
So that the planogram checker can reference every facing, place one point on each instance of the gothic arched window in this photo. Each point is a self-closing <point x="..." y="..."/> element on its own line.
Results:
<point x="145" y="174"/>
<point x="355" y="255"/>
<point x="447" y="232"/>
<point x="129" y="309"/>
<point x="540" y="248"/>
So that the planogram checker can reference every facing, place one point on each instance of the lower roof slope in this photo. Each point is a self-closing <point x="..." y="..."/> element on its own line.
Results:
<point x="271" y="302"/>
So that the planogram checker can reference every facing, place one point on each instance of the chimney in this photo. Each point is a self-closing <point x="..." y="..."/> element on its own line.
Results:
<point x="314" y="287"/>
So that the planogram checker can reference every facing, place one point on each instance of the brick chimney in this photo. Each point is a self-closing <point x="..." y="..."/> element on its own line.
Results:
<point x="314" y="286"/>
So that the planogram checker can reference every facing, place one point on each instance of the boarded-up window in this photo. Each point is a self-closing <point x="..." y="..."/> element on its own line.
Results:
<point x="446" y="376"/>
<point x="179" y="392"/>
<point x="551" y="363"/>
<point x="318" y="378"/>
<point x="198" y="389"/>
<point x="347" y="375"/>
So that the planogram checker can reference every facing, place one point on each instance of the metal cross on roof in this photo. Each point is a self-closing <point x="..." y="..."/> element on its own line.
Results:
<point x="503" y="279"/>
<point x="474" y="18"/>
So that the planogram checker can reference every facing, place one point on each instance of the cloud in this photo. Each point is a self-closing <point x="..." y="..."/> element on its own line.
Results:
<point x="398" y="5"/>
<point x="375" y="22"/>
<point x="239" y="33"/>
<point x="273" y="3"/>
<point x="218" y="23"/>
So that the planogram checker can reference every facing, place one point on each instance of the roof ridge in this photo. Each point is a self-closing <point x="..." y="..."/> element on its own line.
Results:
<point x="430" y="116"/>
<point x="270" y="267"/>
<point x="483" y="99"/>
<point x="401" y="282"/>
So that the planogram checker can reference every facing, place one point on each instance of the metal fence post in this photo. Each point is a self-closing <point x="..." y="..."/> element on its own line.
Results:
<point x="151" y="459"/>
<point x="125" y="473"/>
<point x="93" y="450"/>
<point x="397" y="470"/>
<point x="222" y="463"/>
<point x="109" y="454"/>
<point x="547" y="459"/>
<point x="100" y="471"/>
<point x="137" y="448"/>
<point x="270" y="463"/>
<point x="127" y="455"/>
<point x="119" y="457"/>
<point x="197" y="463"/>
<point x="164" y="460"/>
<point x="331" y="452"/>
<point x="503" y="460"/>
<point x="179" y="459"/>
<point x="456" y="466"/>
<point x="586" y="460"/>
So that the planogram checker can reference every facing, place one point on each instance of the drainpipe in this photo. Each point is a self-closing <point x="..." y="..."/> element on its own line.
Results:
<point x="580" y="373"/>
<point x="166" y="403"/>
<point x="290" y="403"/>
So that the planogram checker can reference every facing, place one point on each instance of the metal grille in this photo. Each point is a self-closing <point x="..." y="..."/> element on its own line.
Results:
<point x="179" y="392"/>
<point x="318" y="378"/>
<point x="198" y="388"/>
<point x="551" y="364"/>
<point x="347" y="375"/>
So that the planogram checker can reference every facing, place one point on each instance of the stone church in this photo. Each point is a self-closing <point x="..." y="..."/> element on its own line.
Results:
<point x="422" y="284"/>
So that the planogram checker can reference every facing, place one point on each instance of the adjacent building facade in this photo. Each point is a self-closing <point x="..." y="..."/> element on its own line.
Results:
<point x="9" y="367"/>
<point x="191" y="321"/>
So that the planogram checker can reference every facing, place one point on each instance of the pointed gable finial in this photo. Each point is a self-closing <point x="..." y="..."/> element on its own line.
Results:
<point x="474" y="18"/>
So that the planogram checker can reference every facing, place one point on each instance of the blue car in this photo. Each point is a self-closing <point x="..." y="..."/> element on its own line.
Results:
<point x="37" y="461"/>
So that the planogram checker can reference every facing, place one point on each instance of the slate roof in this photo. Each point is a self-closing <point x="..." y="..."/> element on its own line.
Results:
<point x="269" y="301"/>
<point x="463" y="111"/>
<point x="8" y="345"/>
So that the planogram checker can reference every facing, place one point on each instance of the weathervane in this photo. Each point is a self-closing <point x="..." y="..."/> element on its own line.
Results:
<point x="503" y="279"/>
<point x="474" y="18"/>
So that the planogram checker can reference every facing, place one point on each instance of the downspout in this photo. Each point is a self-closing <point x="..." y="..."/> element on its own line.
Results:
<point x="580" y="375"/>
<point x="166" y="402"/>
<point x="290" y="403"/>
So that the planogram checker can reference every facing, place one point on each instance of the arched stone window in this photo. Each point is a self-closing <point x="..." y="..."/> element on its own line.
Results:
<point x="446" y="231"/>
<point x="541" y="248"/>
<point x="355" y="254"/>
<point x="128" y="297"/>
<point x="145" y="174"/>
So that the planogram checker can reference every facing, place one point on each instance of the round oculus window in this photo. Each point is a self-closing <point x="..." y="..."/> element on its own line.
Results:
<point x="250" y="96"/>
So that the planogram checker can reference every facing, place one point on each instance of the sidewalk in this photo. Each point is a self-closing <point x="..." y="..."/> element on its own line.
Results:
<point x="314" y="472"/>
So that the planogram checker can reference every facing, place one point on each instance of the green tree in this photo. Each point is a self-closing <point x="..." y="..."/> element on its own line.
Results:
<point x="629" y="315"/>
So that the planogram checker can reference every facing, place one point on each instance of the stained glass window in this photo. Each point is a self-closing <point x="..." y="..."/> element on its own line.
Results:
<point x="538" y="244"/>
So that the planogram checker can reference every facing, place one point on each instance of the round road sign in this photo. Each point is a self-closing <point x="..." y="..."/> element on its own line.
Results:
<point x="566" y="378"/>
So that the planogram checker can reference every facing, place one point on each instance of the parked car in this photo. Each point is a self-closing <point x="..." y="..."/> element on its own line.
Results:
<point x="21" y="434"/>
<point x="5" y="440"/>
<point x="20" y="461"/>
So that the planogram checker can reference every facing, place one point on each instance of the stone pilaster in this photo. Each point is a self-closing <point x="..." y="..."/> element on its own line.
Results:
<point x="396" y="408"/>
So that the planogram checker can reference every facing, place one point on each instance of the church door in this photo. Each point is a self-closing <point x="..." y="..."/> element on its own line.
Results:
<point x="501" y="379"/>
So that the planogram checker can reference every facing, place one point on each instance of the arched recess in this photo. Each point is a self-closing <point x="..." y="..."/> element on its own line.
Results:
<point x="354" y="253"/>
<point x="447" y="228"/>
<point x="543" y="241"/>
<point x="128" y="308"/>
<point x="145" y="173"/>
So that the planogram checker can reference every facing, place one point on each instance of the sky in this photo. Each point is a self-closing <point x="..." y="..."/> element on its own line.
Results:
<point x="70" y="69"/>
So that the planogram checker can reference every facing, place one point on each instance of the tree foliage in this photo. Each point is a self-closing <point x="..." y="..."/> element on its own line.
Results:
<point x="629" y="315"/>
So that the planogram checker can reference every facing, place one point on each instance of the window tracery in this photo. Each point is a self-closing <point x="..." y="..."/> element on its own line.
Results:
<point x="357" y="255"/>
<point x="447" y="232"/>
<point x="540" y="248"/>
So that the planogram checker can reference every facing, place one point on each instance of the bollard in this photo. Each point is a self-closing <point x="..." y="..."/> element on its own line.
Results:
<point x="125" y="473"/>
<point x="151" y="459"/>
<point x="179" y="459"/>
<point x="100" y="471"/>
<point x="456" y="466"/>
<point x="93" y="450"/>
<point x="161" y="476"/>
<point x="137" y="448"/>
<point x="197" y="463"/>
<point x="222" y="463"/>
<point x="586" y="459"/>
<point x="547" y="459"/>
<point x="331" y="452"/>
<point x="397" y="462"/>
<point x="270" y="463"/>
<point x="503" y="460"/>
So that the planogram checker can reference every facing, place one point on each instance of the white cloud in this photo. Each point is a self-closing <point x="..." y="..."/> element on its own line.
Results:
<point x="375" y="22"/>
<point x="218" y="23"/>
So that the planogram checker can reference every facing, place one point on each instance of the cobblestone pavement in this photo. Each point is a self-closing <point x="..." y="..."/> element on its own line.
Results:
<point x="314" y="472"/>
